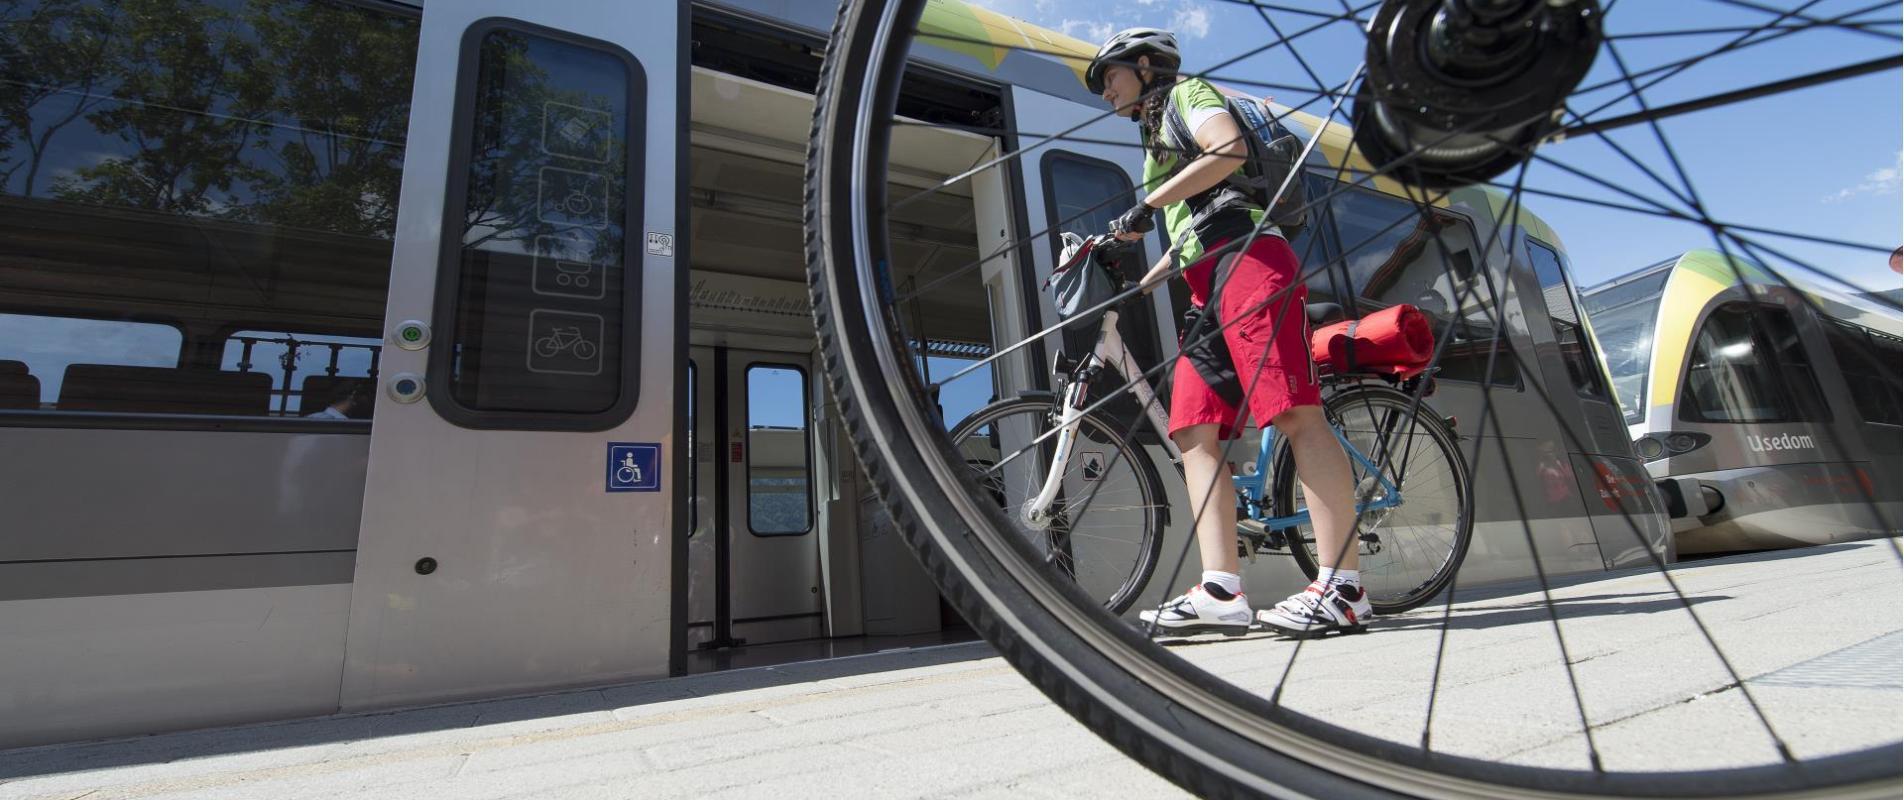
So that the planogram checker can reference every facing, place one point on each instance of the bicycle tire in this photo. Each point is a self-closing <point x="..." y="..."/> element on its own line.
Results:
<point x="1208" y="736"/>
<point x="1283" y="496"/>
<point x="1155" y="511"/>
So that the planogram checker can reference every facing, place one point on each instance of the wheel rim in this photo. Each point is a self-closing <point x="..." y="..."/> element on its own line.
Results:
<point x="1247" y="715"/>
<point x="1111" y="557"/>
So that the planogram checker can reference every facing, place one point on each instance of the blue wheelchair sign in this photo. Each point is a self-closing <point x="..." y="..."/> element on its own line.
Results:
<point x="634" y="467"/>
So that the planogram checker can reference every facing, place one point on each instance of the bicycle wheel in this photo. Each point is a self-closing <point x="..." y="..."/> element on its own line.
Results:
<point x="1221" y="726"/>
<point x="1408" y="553"/>
<point x="1106" y="526"/>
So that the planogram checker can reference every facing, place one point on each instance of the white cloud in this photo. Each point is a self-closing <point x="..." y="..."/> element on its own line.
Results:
<point x="1878" y="181"/>
<point x="1148" y="2"/>
<point x="1191" y="21"/>
<point x="1090" y="30"/>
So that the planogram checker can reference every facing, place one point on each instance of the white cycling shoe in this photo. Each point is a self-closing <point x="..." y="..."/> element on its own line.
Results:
<point x="1319" y="610"/>
<point x="1197" y="611"/>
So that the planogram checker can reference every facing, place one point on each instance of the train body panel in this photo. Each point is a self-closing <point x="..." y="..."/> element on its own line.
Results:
<point x="1775" y="403"/>
<point x="225" y="504"/>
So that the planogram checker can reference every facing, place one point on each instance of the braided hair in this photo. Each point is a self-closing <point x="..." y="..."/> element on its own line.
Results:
<point x="1150" y="118"/>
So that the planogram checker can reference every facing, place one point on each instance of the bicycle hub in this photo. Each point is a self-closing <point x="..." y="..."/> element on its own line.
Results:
<point x="1460" y="91"/>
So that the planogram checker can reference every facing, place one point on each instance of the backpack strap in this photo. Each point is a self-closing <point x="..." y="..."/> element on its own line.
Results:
<point x="1177" y="134"/>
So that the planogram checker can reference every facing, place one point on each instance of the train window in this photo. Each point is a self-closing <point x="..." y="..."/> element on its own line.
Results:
<point x="1870" y="364"/>
<point x="313" y="376"/>
<point x="1082" y="196"/>
<point x="1394" y="253"/>
<point x="1748" y="365"/>
<point x="38" y="352"/>
<point x="540" y="281"/>
<point x="959" y="397"/>
<point x="1576" y="350"/>
<point x="221" y="164"/>
<point x="1624" y="317"/>
<point x="1322" y="274"/>
<point x="779" y="462"/>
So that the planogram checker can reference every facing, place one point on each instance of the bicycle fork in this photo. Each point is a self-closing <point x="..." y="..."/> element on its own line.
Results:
<point x="1037" y="513"/>
<point x="1109" y="352"/>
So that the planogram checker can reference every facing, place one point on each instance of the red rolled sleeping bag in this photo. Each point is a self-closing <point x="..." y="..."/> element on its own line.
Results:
<point x="1397" y="341"/>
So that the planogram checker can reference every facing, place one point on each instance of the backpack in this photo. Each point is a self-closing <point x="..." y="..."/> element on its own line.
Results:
<point x="1274" y="153"/>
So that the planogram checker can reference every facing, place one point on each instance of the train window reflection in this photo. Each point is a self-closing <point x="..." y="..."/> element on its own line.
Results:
<point x="1870" y="364"/>
<point x="546" y="198"/>
<point x="1624" y="317"/>
<point x="1576" y="351"/>
<point x="1745" y="370"/>
<point x="779" y="461"/>
<point x="313" y="376"/>
<point x="1083" y="195"/>
<point x="1394" y="253"/>
<point x="222" y="164"/>
<point x="37" y="353"/>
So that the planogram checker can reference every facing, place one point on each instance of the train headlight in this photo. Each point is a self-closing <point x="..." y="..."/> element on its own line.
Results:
<point x="1686" y="442"/>
<point x="1649" y="448"/>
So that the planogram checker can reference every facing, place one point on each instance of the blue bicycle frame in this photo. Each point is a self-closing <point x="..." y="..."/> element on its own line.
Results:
<point x="1255" y="483"/>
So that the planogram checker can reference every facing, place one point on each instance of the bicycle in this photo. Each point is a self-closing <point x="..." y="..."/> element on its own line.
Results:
<point x="1119" y="555"/>
<point x="1452" y="103"/>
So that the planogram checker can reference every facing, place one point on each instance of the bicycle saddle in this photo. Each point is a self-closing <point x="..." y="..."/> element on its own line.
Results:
<point x="1324" y="313"/>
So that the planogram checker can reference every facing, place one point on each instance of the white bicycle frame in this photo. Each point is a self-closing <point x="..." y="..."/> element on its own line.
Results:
<point x="1109" y="351"/>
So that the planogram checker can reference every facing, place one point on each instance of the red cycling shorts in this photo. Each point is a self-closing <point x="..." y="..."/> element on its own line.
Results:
<point x="1265" y="333"/>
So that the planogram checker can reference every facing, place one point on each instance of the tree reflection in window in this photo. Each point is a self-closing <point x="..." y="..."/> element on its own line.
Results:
<point x="289" y="113"/>
<point x="1393" y="253"/>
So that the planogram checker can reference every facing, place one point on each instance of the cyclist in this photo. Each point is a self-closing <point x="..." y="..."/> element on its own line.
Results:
<point x="1264" y="331"/>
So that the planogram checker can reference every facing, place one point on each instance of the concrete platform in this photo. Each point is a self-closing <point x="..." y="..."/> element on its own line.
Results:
<point x="1815" y="633"/>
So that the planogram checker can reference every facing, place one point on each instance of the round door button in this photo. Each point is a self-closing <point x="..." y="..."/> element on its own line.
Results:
<point x="406" y="387"/>
<point x="412" y="334"/>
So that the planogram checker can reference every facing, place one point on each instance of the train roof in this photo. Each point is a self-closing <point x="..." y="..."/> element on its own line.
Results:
<point x="1720" y="271"/>
<point x="970" y="39"/>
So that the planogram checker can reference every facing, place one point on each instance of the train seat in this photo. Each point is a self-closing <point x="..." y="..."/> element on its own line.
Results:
<point x="163" y="390"/>
<point x="19" y="390"/>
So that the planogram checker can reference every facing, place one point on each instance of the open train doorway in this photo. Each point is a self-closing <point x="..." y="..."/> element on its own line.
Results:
<point x="789" y="554"/>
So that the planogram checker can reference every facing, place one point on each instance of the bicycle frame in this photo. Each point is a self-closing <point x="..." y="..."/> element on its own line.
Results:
<point x="1110" y="350"/>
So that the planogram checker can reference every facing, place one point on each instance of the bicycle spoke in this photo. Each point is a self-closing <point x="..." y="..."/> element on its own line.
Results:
<point x="1047" y="231"/>
<point x="1021" y="152"/>
<point x="1193" y="336"/>
<point x="1782" y="14"/>
<point x="1410" y="550"/>
<point x="1750" y="29"/>
<point x="1849" y="71"/>
<point x="1741" y="279"/>
<point x="1676" y="68"/>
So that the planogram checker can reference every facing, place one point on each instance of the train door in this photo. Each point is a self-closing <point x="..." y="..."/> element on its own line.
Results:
<point x="1067" y="184"/>
<point x="1078" y="185"/>
<point x="1867" y="414"/>
<point x="1625" y="510"/>
<point x="755" y="577"/>
<point x="704" y="514"/>
<point x="520" y="508"/>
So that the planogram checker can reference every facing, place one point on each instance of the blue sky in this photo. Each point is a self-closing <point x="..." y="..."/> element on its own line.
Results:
<point x="1823" y="161"/>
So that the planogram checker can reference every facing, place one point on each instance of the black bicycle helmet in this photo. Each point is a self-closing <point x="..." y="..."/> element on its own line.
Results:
<point x="1124" y="47"/>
